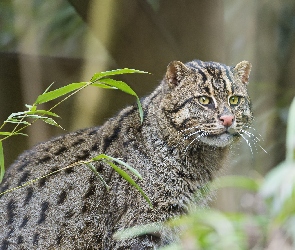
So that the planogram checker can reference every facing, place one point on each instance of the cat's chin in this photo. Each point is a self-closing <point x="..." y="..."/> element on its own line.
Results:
<point x="220" y="140"/>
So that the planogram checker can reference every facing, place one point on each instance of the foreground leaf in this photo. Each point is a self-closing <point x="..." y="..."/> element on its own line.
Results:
<point x="119" y="85"/>
<point x="103" y="156"/>
<point x="41" y="112"/>
<point x="93" y="169"/>
<point x="138" y="230"/>
<point x="130" y="180"/>
<point x="51" y="95"/>
<point x="2" y="168"/>
<point x="11" y="133"/>
<point x="290" y="140"/>
<point x="100" y="75"/>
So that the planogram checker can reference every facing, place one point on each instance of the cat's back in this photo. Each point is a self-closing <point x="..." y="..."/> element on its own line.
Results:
<point x="27" y="212"/>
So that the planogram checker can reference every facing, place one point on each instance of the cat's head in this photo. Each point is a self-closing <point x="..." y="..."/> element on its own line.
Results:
<point x="208" y="102"/>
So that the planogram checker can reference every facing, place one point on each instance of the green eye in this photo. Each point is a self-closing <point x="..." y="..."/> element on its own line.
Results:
<point x="234" y="100"/>
<point x="204" y="100"/>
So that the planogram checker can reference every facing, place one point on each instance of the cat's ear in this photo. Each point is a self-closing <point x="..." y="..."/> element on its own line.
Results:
<point x="242" y="71"/>
<point x="175" y="72"/>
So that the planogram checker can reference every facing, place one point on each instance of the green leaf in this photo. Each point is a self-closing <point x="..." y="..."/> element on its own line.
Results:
<point x="103" y="86"/>
<point x="119" y="85"/>
<point x="17" y="121"/>
<point x="93" y="169"/>
<point x="131" y="169"/>
<point x="46" y="97"/>
<point x="51" y="121"/>
<point x="42" y="112"/>
<point x="125" y="88"/>
<point x="98" y="76"/>
<point x="130" y="180"/>
<point x="140" y="110"/>
<point x="138" y="230"/>
<point x="11" y="133"/>
<point x="15" y="115"/>
<point x="290" y="141"/>
<point x="2" y="168"/>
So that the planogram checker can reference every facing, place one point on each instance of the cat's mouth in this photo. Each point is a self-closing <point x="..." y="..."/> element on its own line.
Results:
<point x="229" y="131"/>
<point x="219" y="140"/>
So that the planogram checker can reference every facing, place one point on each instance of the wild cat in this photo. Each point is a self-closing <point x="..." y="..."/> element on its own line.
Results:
<point x="190" y="120"/>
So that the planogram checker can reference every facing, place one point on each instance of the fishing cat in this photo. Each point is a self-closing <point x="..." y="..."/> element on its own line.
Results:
<point x="190" y="120"/>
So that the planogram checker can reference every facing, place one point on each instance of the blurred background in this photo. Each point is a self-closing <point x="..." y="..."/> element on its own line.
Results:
<point x="68" y="41"/>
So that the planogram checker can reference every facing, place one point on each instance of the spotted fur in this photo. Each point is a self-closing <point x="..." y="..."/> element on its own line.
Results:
<point x="188" y="126"/>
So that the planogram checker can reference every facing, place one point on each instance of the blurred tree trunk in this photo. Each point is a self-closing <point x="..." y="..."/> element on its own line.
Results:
<point x="147" y="37"/>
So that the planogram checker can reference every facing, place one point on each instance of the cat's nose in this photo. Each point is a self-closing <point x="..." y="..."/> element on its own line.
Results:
<point x="227" y="120"/>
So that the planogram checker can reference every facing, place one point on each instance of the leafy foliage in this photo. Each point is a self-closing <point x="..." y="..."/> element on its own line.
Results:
<point x="26" y="118"/>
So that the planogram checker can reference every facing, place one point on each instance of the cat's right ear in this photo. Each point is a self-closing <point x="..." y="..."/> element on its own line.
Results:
<point x="175" y="73"/>
<point x="242" y="71"/>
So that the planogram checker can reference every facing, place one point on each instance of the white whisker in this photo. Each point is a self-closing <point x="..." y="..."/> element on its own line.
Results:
<point x="248" y="143"/>
<point x="183" y="130"/>
<point x="254" y="138"/>
<point x="190" y="135"/>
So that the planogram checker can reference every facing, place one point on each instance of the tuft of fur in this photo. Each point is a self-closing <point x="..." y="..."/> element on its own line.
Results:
<point x="178" y="148"/>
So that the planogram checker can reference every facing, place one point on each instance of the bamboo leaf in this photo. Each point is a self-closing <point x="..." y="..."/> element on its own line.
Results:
<point x="11" y="133"/>
<point x="140" y="110"/>
<point x="18" y="122"/>
<point x="138" y="230"/>
<point x="2" y="168"/>
<point x="51" y="121"/>
<point x="98" y="76"/>
<point x="290" y="140"/>
<point x="48" y="96"/>
<point x="119" y="85"/>
<point x="130" y="180"/>
<point x="131" y="169"/>
<point x="103" y="86"/>
<point x="93" y="169"/>
<point x="42" y="112"/>
<point x="114" y="84"/>
<point x="13" y="115"/>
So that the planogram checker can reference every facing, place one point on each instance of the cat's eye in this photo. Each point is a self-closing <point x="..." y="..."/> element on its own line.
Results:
<point x="234" y="100"/>
<point x="204" y="100"/>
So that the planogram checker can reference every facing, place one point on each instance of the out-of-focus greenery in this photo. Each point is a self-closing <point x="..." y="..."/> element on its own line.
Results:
<point x="57" y="28"/>
<point x="270" y="224"/>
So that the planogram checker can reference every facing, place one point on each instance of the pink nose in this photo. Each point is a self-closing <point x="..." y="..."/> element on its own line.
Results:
<point x="227" y="120"/>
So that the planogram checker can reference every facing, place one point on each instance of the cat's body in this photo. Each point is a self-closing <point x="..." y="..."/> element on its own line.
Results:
<point x="189" y="122"/>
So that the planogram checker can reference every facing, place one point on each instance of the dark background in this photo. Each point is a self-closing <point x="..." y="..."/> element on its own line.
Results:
<point x="67" y="41"/>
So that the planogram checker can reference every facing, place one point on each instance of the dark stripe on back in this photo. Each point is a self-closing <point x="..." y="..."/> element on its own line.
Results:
<point x="29" y="195"/>
<point x="116" y="131"/>
<point x="60" y="150"/>
<point x="36" y="239"/>
<point x="24" y="178"/>
<point x="24" y="222"/>
<point x="44" y="208"/>
<point x="11" y="211"/>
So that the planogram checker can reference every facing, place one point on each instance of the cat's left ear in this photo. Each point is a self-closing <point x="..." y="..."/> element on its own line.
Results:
<point x="175" y="73"/>
<point x="242" y="71"/>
